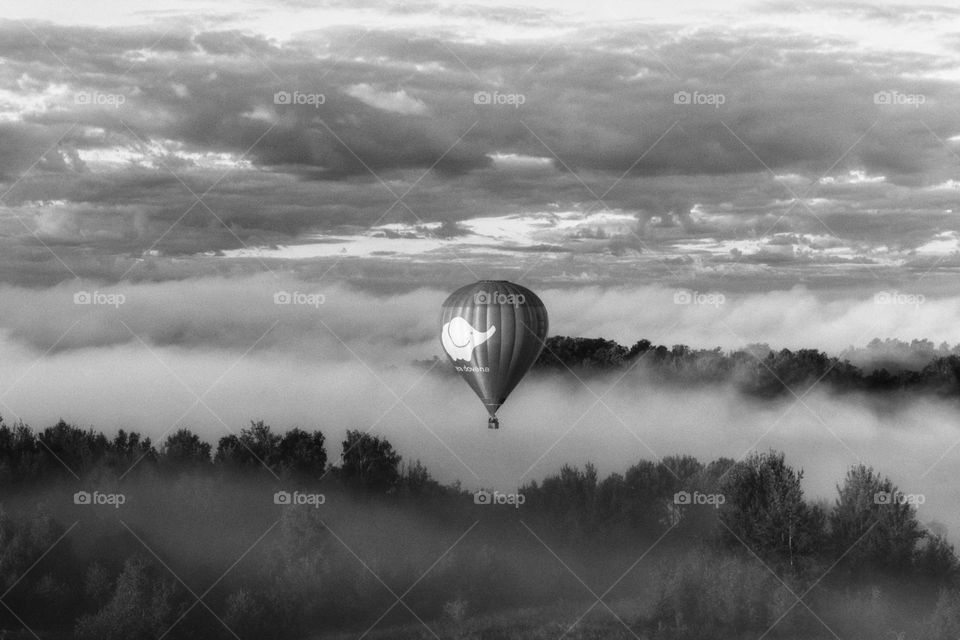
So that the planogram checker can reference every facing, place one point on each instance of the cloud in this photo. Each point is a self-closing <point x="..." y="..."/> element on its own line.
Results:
<point x="394" y="326"/>
<point x="396" y="101"/>
<point x="599" y="119"/>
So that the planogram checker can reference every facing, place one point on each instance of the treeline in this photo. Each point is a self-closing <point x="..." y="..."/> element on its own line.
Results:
<point x="64" y="450"/>
<point x="724" y="547"/>
<point x="760" y="371"/>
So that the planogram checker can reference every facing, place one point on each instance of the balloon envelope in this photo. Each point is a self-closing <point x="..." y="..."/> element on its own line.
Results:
<point x="493" y="331"/>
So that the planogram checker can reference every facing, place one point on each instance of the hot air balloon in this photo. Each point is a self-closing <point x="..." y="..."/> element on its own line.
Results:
<point x="493" y="331"/>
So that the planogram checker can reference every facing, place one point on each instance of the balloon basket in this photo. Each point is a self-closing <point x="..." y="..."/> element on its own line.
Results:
<point x="493" y="423"/>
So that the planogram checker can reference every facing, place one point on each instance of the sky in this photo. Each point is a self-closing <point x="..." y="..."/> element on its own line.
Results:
<point x="167" y="169"/>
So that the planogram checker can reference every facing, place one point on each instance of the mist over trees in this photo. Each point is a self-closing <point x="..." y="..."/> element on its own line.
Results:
<point x="883" y="366"/>
<point x="209" y="543"/>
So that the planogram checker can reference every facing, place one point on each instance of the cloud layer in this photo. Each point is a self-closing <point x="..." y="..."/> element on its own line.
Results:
<point x="787" y="146"/>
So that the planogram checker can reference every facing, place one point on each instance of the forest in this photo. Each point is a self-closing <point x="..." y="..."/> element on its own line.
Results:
<point x="207" y="543"/>
<point x="881" y="367"/>
<point x="284" y="535"/>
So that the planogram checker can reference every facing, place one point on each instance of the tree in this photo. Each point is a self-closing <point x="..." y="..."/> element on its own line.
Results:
<point x="255" y="446"/>
<point x="936" y="560"/>
<point x="561" y="352"/>
<point x="765" y="510"/>
<point x="128" y="449"/>
<point x="612" y="495"/>
<point x="369" y="462"/>
<point x="698" y="521"/>
<point x="650" y="487"/>
<point x="70" y="448"/>
<point x="416" y="481"/>
<point x="184" y="449"/>
<point x="681" y="468"/>
<point x="142" y="607"/>
<point x="568" y="501"/>
<point x="20" y="455"/>
<point x="871" y="525"/>
<point x="33" y="568"/>
<point x="302" y="453"/>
